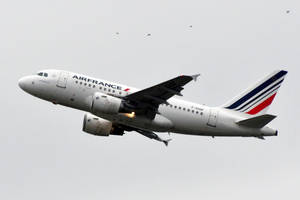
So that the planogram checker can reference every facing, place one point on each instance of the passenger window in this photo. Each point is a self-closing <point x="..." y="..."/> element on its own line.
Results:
<point x="76" y="82"/>
<point x="120" y="93"/>
<point x="80" y="83"/>
<point x="104" y="89"/>
<point x="183" y="109"/>
<point x="113" y="91"/>
<point x="45" y="74"/>
<point x="197" y="112"/>
<point x="40" y="74"/>
<point x="179" y="108"/>
<point x="94" y="86"/>
<point x="188" y="110"/>
<point x="175" y="106"/>
<point x="90" y="85"/>
<point x="100" y="88"/>
<point x="108" y="90"/>
<point x="84" y="83"/>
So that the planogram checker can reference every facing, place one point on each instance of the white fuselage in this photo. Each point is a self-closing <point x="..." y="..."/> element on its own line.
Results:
<point x="76" y="91"/>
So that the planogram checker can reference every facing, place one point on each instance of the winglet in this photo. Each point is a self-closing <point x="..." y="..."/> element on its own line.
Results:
<point x="166" y="142"/>
<point x="195" y="76"/>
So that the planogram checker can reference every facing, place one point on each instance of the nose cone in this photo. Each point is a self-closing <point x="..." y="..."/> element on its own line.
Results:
<point x="25" y="83"/>
<point x="22" y="83"/>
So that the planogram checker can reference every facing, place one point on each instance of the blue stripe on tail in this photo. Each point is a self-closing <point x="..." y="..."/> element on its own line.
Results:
<point x="257" y="89"/>
<point x="261" y="94"/>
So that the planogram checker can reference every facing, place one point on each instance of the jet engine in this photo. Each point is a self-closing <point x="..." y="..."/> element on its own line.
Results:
<point x="106" y="104"/>
<point x="100" y="127"/>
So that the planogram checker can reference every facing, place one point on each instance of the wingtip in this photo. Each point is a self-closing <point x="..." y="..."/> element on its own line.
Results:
<point x="166" y="142"/>
<point x="195" y="77"/>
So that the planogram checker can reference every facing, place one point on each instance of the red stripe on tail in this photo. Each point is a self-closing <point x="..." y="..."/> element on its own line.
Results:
<point x="262" y="106"/>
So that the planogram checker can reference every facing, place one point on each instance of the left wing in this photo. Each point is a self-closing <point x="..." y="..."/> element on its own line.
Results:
<point x="147" y="101"/>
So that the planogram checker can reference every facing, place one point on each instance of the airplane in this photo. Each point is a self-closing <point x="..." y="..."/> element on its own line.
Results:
<point x="113" y="109"/>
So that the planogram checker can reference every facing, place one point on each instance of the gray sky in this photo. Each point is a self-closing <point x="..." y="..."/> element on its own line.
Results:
<point x="45" y="155"/>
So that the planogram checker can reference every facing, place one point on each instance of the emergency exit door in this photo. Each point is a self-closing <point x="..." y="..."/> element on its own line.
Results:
<point x="62" y="79"/>
<point x="213" y="118"/>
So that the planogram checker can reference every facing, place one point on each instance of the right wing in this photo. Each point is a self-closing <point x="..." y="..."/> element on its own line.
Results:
<point x="146" y="133"/>
<point x="153" y="135"/>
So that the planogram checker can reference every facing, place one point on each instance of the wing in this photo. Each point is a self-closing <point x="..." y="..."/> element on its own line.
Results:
<point x="153" y="135"/>
<point x="146" y="133"/>
<point x="147" y="101"/>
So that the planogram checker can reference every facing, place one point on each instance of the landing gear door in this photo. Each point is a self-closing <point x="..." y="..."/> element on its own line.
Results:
<point x="62" y="79"/>
<point x="213" y="117"/>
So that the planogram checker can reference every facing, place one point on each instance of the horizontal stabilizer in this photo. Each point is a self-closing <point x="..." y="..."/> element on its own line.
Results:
<point x="257" y="122"/>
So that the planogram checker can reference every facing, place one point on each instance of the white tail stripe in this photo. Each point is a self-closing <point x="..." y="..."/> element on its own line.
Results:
<point x="276" y="83"/>
<point x="258" y="98"/>
<point x="260" y="101"/>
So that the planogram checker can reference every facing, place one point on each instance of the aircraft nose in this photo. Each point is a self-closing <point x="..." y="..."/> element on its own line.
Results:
<point x="24" y="83"/>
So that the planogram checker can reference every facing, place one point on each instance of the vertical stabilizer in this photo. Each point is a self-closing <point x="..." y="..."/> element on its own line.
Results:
<point x="258" y="98"/>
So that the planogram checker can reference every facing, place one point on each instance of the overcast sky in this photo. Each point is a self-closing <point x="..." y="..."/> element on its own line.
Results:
<point x="44" y="153"/>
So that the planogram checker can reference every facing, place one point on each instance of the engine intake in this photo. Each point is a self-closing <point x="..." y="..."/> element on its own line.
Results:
<point x="100" y="127"/>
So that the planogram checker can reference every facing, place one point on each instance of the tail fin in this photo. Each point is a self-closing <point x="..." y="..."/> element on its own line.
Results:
<point x="258" y="98"/>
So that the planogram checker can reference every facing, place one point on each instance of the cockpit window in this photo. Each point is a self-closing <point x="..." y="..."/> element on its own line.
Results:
<point x="43" y="74"/>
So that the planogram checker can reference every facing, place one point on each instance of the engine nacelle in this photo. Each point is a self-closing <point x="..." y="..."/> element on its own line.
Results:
<point x="106" y="104"/>
<point x="100" y="127"/>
